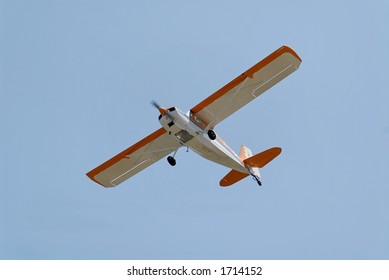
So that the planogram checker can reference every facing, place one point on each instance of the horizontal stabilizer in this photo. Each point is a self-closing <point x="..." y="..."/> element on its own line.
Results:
<point x="263" y="158"/>
<point x="232" y="177"/>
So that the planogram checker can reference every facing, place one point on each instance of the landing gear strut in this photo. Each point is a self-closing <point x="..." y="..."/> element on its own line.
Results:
<point x="256" y="178"/>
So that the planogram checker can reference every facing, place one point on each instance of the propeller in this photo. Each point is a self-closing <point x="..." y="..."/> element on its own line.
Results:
<point x="162" y="110"/>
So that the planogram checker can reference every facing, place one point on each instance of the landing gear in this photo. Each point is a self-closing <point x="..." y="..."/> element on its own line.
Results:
<point x="211" y="134"/>
<point x="256" y="178"/>
<point x="171" y="160"/>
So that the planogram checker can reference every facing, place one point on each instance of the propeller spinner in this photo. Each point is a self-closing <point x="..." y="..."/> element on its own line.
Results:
<point x="162" y="110"/>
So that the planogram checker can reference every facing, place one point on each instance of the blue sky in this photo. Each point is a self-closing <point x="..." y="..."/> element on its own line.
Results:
<point x="76" y="81"/>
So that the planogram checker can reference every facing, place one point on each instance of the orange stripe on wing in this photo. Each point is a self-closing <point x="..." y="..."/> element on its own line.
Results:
<point x="249" y="73"/>
<point x="91" y="174"/>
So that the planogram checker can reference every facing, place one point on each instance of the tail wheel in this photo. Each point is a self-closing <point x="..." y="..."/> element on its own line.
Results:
<point x="211" y="134"/>
<point x="256" y="178"/>
<point x="171" y="160"/>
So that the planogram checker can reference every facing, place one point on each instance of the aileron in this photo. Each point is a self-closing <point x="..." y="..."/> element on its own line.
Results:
<point x="246" y="87"/>
<point x="134" y="159"/>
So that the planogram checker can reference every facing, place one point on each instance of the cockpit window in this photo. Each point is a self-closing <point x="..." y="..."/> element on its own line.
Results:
<point x="197" y="120"/>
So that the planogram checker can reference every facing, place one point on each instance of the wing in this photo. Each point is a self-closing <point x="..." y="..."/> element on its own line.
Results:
<point x="245" y="87"/>
<point x="134" y="159"/>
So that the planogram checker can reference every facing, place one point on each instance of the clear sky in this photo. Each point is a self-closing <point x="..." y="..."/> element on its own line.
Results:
<point x="76" y="81"/>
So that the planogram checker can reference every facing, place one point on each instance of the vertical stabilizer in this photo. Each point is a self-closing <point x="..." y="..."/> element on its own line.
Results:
<point x="245" y="153"/>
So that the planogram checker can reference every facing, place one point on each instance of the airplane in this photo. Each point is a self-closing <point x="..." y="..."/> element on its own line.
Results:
<point x="195" y="129"/>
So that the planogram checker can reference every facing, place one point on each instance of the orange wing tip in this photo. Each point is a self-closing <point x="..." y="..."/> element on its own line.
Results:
<point x="285" y="49"/>
<point x="90" y="175"/>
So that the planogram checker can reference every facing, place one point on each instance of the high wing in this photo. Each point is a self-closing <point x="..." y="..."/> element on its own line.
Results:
<point x="134" y="159"/>
<point x="245" y="87"/>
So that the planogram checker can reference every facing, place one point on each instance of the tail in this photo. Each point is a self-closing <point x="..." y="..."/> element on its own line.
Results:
<point x="253" y="163"/>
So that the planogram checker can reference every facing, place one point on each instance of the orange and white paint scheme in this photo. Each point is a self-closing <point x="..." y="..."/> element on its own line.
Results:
<point x="195" y="129"/>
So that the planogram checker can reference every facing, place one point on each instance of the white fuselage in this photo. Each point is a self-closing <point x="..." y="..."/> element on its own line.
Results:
<point x="188" y="134"/>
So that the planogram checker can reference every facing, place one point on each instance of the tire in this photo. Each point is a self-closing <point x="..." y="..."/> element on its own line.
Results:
<point x="171" y="160"/>
<point x="211" y="134"/>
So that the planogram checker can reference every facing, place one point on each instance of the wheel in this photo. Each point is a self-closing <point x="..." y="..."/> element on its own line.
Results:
<point x="211" y="134"/>
<point x="171" y="160"/>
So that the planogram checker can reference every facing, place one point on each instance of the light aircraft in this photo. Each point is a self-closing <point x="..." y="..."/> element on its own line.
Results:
<point x="195" y="130"/>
